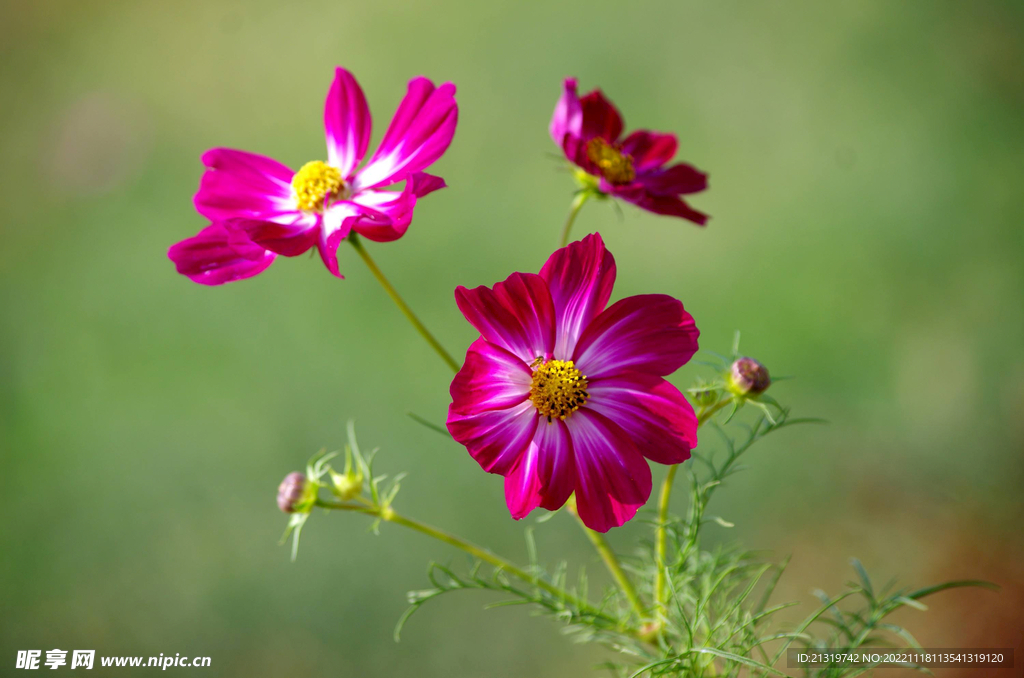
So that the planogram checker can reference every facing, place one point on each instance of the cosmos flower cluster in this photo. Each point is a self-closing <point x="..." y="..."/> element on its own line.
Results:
<point x="564" y="393"/>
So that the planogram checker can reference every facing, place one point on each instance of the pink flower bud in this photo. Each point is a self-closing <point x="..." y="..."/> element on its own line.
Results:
<point x="748" y="377"/>
<point x="293" y="495"/>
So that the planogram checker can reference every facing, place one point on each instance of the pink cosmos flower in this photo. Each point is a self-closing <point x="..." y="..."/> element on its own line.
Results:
<point x="561" y="395"/>
<point x="261" y="208"/>
<point x="589" y="131"/>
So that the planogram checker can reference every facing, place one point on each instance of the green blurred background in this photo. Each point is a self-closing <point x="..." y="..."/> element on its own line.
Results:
<point x="867" y="166"/>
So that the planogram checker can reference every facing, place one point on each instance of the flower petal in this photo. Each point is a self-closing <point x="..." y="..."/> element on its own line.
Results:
<point x="568" y="115"/>
<point x="287" y="239"/>
<point x="679" y="179"/>
<point x="217" y="255"/>
<point x="491" y="378"/>
<point x="580" y="277"/>
<point x="387" y="214"/>
<point x="495" y="438"/>
<point x="237" y="184"/>
<point x="612" y="479"/>
<point x="653" y="412"/>
<point x="384" y="215"/>
<point x="649" y="333"/>
<point x="650" y="149"/>
<point x="600" y="117"/>
<point x="575" y="149"/>
<point x="667" y="205"/>
<point x="545" y="474"/>
<point x="347" y="122"/>
<point x="517" y="314"/>
<point x="421" y="184"/>
<point x="420" y="133"/>
<point x="335" y="225"/>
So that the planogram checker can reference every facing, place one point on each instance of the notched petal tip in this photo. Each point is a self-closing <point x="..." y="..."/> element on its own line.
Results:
<point x="419" y="134"/>
<point x="545" y="474"/>
<point x="580" y="276"/>
<point x="567" y="119"/>
<point x="347" y="122"/>
<point x="600" y="117"/>
<point x="650" y="333"/>
<point x="613" y="479"/>
<point x="421" y="184"/>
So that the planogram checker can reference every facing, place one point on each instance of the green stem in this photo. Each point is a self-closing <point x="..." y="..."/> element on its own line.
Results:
<point x="389" y="515"/>
<point x="661" y="578"/>
<point x="577" y="204"/>
<point x="402" y="306"/>
<point x="612" y="561"/>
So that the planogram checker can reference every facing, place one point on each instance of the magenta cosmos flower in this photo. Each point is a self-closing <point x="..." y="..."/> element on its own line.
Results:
<point x="636" y="169"/>
<point x="261" y="208"/>
<point x="561" y="395"/>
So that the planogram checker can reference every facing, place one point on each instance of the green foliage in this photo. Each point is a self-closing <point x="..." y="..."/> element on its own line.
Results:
<point x="720" y="619"/>
<point x="600" y="624"/>
<point x="866" y="625"/>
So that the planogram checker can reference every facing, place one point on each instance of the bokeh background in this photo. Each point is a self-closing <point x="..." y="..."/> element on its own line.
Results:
<point x="866" y="192"/>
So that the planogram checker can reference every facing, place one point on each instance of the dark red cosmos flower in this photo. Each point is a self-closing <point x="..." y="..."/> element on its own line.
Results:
<point x="634" y="168"/>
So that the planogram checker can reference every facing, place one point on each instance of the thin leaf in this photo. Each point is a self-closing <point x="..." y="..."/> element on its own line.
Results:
<point x="964" y="583"/>
<point x="772" y="584"/>
<point x="432" y="426"/>
<point x="507" y="603"/>
<point x="746" y="661"/>
<point x="910" y="602"/>
<point x="810" y="620"/>
<point x="902" y="633"/>
<point x="802" y="420"/>
<point x="864" y="578"/>
<point x="401" y="622"/>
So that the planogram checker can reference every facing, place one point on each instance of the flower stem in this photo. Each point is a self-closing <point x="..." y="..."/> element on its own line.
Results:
<point x="661" y="579"/>
<point x="357" y="245"/>
<point x="612" y="561"/>
<point x="577" y="204"/>
<point x="389" y="515"/>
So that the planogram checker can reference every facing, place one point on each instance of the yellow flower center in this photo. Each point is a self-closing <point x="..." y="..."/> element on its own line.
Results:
<point x="314" y="183"/>
<point x="558" y="389"/>
<point x="615" y="166"/>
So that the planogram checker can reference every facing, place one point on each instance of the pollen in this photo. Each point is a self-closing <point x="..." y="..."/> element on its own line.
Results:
<point x="315" y="183"/>
<point x="615" y="166"/>
<point x="558" y="388"/>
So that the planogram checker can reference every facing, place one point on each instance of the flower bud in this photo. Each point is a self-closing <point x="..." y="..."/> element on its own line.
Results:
<point x="296" y="494"/>
<point x="346" y="486"/>
<point x="748" y="377"/>
<point x="706" y="397"/>
<point x="651" y="631"/>
<point x="349" y="484"/>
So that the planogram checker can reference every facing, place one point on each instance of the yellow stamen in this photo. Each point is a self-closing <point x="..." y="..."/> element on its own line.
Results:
<point x="314" y="183"/>
<point x="615" y="166"/>
<point x="558" y="389"/>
